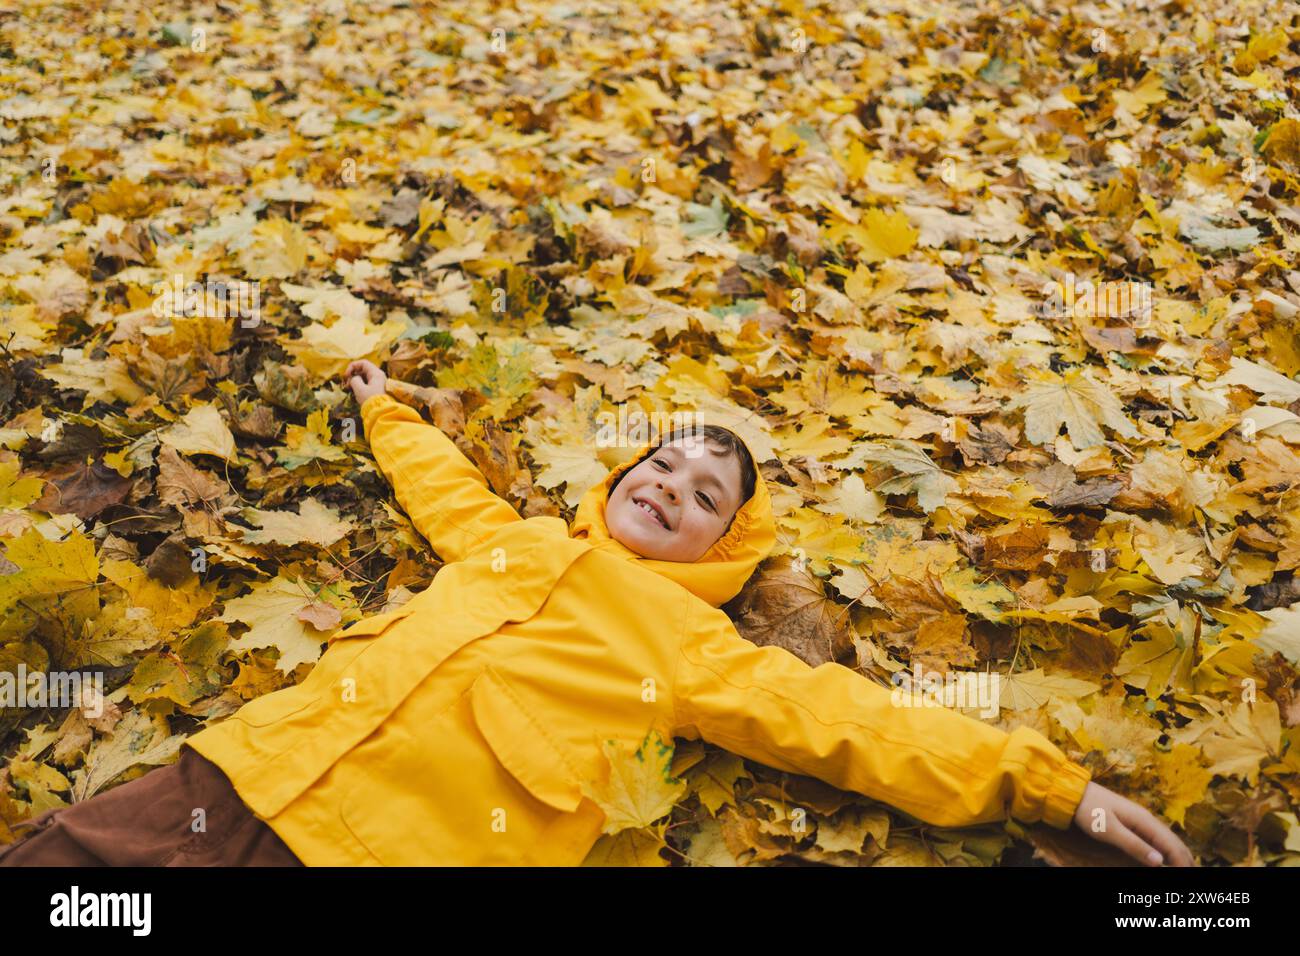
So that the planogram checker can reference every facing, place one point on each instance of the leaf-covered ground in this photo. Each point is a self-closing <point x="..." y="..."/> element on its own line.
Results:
<point x="834" y="224"/>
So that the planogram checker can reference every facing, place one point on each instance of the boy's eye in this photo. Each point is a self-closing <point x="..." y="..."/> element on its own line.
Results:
<point x="707" y="501"/>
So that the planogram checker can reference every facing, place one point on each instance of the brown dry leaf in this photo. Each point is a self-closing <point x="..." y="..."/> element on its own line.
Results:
<point x="1073" y="848"/>
<point x="918" y="613"/>
<point x="786" y="606"/>
<point x="84" y="488"/>
<point x="322" y="616"/>
<point x="184" y="485"/>
<point x="1022" y="548"/>
<point x="1061" y="489"/>
<point x="990" y="444"/>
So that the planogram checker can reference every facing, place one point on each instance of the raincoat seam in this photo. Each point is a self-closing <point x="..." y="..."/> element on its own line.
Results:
<point x="815" y="716"/>
<point x="248" y="723"/>
<point x="722" y="739"/>
<point x="510" y="692"/>
<point x="1046" y="775"/>
<point x="894" y="797"/>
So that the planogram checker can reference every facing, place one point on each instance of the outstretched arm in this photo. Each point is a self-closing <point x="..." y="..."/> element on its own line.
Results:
<point x="936" y="764"/>
<point x="829" y="722"/>
<point x="444" y="494"/>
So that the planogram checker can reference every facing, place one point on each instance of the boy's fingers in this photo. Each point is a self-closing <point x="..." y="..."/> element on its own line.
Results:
<point x="1162" y="838"/>
<point x="1133" y="845"/>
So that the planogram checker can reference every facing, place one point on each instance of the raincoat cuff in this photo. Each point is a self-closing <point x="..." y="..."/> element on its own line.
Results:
<point x="371" y="406"/>
<point x="1069" y="780"/>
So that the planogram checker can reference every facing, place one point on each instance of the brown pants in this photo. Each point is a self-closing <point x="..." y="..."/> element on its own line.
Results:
<point x="150" y="821"/>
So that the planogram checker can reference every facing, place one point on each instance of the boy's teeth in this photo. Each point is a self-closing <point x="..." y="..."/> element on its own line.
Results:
<point x="650" y="511"/>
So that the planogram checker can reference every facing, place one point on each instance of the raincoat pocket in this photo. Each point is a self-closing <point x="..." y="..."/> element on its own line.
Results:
<point x="523" y="745"/>
<point x="476" y="786"/>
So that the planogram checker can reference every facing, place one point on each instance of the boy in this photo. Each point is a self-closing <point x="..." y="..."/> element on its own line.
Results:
<point x="462" y="727"/>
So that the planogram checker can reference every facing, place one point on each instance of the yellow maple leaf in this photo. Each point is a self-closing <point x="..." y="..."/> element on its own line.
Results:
<point x="1181" y="779"/>
<point x="16" y="492"/>
<point x="139" y="738"/>
<point x="1162" y="661"/>
<point x="104" y="380"/>
<point x="310" y="442"/>
<point x="1029" y="690"/>
<point x="271" y="611"/>
<point x="171" y="608"/>
<point x="708" y="846"/>
<point x="1146" y="94"/>
<point x="815" y="437"/>
<point x="573" y="465"/>
<point x="628" y="848"/>
<point x="883" y="235"/>
<point x="314" y="523"/>
<point x="201" y="432"/>
<point x="113" y="636"/>
<point x="851" y="499"/>
<point x="822" y="539"/>
<point x="21" y="330"/>
<point x="1076" y="400"/>
<point x="320" y="301"/>
<point x="1282" y="633"/>
<point x="1172" y="553"/>
<point x="54" y="587"/>
<point x="325" y="351"/>
<point x="638" y="788"/>
<point x="48" y="568"/>
<point x="355" y="233"/>
<point x="1126" y="736"/>
<point x="279" y="251"/>
<point x="641" y="97"/>
<point x="914" y="471"/>
<point x="1235" y="740"/>
<point x="822" y="389"/>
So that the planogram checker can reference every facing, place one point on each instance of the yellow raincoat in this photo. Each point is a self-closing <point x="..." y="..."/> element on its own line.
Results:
<point x="459" y="729"/>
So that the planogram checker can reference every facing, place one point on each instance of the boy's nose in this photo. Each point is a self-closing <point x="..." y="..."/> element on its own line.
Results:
<point x="672" y="496"/>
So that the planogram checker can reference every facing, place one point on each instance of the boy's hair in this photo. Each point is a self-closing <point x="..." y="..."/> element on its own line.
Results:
<point x="731" y="445"/>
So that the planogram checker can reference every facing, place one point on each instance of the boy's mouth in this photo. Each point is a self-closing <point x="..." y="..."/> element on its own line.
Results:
<point x="651" y="509"/>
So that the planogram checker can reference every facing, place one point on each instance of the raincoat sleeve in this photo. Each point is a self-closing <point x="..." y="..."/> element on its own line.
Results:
<point x="830" y="722"/>
<point x="443" y="493"/>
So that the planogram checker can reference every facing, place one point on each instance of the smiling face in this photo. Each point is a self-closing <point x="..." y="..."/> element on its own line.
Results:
<point x="674" y="505"/>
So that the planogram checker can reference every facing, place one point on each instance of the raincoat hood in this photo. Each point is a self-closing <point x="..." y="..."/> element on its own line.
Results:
<point x="719" y="574"/>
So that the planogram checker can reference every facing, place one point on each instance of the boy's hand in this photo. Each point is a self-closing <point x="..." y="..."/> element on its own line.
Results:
<point x="365" y="379"/>
<point x="1131" y="827"/>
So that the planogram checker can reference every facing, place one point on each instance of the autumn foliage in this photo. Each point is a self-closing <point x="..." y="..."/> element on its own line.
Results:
<point x="843" y="228"/>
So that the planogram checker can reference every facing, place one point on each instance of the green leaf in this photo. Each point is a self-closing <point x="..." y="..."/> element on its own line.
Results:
<point x="706" y="221"/>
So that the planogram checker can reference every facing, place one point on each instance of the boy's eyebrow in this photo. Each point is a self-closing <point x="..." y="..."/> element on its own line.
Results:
<point x="724" y="495"/>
